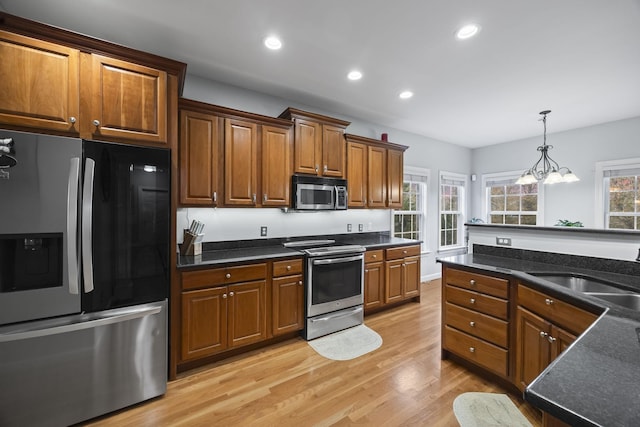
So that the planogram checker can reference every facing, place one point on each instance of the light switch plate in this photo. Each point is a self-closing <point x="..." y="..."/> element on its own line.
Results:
<point x="360" y="227"/>
<point x="503" y="241"/>
<point x="263" y="231"/>
<point x="349" y="227"/>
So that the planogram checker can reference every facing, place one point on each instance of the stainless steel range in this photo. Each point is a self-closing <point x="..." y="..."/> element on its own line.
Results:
<point x="334" y="291"/>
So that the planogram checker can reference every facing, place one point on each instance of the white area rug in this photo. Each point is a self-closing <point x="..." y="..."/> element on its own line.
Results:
<point x="487" y="410"/>
<point x="347" y="344"/>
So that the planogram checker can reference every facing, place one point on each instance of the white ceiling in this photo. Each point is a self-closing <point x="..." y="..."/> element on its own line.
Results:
<point x="579" y="58"/>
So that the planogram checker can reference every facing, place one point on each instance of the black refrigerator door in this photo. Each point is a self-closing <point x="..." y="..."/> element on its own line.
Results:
<point x="130" y="225"/>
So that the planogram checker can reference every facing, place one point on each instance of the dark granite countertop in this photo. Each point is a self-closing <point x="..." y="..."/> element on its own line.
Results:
<point x="218" y="253"/>
<point x="596" y="382"/>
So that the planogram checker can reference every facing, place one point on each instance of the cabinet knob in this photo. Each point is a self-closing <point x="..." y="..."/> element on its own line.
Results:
<point x="253" y="198"/>
<point x="375" y="256"/>
<point x="472" y="300"/>
<point x="228" y="275"/>
<point x="551" y="339"/>
<point x="472" y="349"/>
<point x="288" y="267"/>
<point x="548" y="301"/>
<point x="325" y="168"/>
<point x="404" y="252"/>
<point x="96" y="123"/>
<point x="214" y="196"/>
<point x="264" y="197"/>
<point x="300" y="282"/>
<point x="224" y="295"/>
<point x="366" y="271"/>
<point x="316" y="168"/>
<point x="231" y="293"/>
<point x="543" y="334"/>
<point x="472" y="282"/>
<point x="72" y="119"/>
<point x="472" y="324"/>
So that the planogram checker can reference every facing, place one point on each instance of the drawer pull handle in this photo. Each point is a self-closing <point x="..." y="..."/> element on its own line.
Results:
<point x="472" y="349"/>
<point x="472" y="300"/>
<point x="228" y="275"/>
<point x="288" y="267"/>
<point x="472" y="282"/>
<point x="472" y="324"/>
<point x="548" y="301"/>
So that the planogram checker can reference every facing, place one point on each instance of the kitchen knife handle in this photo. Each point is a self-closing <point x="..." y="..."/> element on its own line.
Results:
<point x="72" y="226"/>
<point x="87" y="223"/>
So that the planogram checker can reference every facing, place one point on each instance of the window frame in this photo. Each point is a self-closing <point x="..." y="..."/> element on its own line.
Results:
<point x="602" y="213"/>
<point x="462" y="209"/>
<point x="486" y="202"/>
<point x="426" y="174"/>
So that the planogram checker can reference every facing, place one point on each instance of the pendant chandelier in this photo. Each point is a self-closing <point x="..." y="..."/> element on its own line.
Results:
<point x="546" y="169"/>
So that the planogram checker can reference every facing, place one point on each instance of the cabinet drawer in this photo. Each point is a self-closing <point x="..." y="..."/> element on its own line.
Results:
<point x="223" y="276"/>
<point x="480" y="325"/>
<point x="374" y="256"/>
<point x="559" y="312"/>
<point x="476" y="350"/>
<point x="287" y="267"/>
<point x="476" y="301"/>
<point x="402" y="252"/>
<point x="478" y="282"/>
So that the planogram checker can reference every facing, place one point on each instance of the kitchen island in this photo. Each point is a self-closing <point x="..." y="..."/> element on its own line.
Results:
<point x="595" y="382"/>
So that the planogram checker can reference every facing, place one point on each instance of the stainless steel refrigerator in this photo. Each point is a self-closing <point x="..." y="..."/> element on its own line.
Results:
<point x="84" y="277"/>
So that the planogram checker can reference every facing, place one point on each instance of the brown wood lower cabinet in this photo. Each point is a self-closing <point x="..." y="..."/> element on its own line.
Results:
<point x="287" y="308"/>
<point x="402" y="273"/>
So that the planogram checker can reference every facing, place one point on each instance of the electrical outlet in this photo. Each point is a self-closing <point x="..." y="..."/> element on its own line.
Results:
<point x="503" y="241"/>
<point x="360" y="227"/>
<point x="263" y="231"/>
<point x="349" y="228"/>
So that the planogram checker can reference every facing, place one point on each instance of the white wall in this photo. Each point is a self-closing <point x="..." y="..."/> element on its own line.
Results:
<point x="244" y="223"/>
<point x="577" y="149"/>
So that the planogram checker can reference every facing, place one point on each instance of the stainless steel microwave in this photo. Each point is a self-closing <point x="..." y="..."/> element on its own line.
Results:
<point x="315" y="193"/>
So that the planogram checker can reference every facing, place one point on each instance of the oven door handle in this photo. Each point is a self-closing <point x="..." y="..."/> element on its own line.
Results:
<point x="339" y="316"/>
<point x="337" y="260"/>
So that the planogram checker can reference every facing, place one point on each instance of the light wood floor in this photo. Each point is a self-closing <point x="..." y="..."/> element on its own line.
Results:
<point x="404" y="382"/>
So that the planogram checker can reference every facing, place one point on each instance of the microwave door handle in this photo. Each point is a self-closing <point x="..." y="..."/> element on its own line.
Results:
<point x="337" y="260"/>
<point x="87" y="210"/>
<point x="72" y="226"/>
<point x="336" y="197"/>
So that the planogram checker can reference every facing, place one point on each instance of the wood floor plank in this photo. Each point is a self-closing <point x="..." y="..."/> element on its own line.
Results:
<point x="403" y="383"/>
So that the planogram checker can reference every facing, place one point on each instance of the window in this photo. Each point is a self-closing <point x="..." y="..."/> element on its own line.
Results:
<point x="409" y="222"/>
<point x="452" y="208"/>
<point x="620" y="193"/>
<point x="510" y="203"/>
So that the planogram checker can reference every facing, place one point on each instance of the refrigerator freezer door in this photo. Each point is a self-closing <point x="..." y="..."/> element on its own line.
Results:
<point x="83" y="366"/>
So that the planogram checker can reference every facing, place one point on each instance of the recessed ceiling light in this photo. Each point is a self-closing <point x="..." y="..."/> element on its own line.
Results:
<point x="467" y="31"/>
<point x="273" y="43"/>
<point x="406" y="94"/>
<point x="354" y="75"/>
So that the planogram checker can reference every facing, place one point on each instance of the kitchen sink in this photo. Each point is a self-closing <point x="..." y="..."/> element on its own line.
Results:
<point x="629" y="300"/>
<point x="581" y="283"/>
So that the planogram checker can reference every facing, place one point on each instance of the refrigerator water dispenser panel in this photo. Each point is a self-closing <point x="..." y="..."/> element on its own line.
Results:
<point x="30" y="261"/>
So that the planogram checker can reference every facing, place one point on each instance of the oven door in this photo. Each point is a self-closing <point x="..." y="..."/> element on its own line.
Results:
<point x="315" y="197"/>
<point x="334" y="283"/>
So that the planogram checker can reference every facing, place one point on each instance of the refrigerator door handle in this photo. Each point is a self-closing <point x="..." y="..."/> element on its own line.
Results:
<point x="87" y="217"/>
<point x="72" y="226"/>
<point x="55" y="330"/>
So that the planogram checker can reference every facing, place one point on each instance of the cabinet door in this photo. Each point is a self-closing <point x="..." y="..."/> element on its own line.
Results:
<point x="240" y="162"/>
<point x="129" y="101"/>
<point x="204" y="322"/>
<point x="411" y="279"/>
<point x="373" y="285"/>
<point x="395" y="178"/>
<point x="307" y="147"/>
<point x="393" y="281"/>
<point x="276" y="166"/>
<point x="377" y="159"/>
<point x="247" y="313"/>
<point x="287" y="304"/>
<point x="357" y="174"/>
<point x="561" y="340"/>
<point x="333" y="151"/>
<point x="39" y="84"/>
<point x="198" y="158"/>
<point x="532" y="347"/>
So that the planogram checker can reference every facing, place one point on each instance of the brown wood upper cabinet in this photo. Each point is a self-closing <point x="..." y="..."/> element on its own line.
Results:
<point x="319" y="146"/>
<point x="40" y="86"/>
<point x="128" y="101"/>
<point x="374" y="173"/>
<point x="233" y="158"/>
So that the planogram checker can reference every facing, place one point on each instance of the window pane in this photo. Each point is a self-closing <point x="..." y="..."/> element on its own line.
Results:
<point x="621" y="222"/>
<point x="530" y="189"/>
<point x="513" y="189"/>
<point x="497" y="219"/>
<point x="454" y="203"/>
<point x="513" y="203"/>
<point x="638" y="223"/>
<point x="528" y="220"/>
<point x="454" y="237"/>
<point x="529" y="203"/>
<point x="511" y="219"/>
<point x="623" y="183"/>
<point x="497" y="203"/>
<point x="622" y="201"/>
<point x="497" y="191"/>
<point x="397" y="223"/>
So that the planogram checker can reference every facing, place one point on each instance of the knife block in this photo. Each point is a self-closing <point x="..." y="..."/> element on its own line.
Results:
<point x="191" y="243"/>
